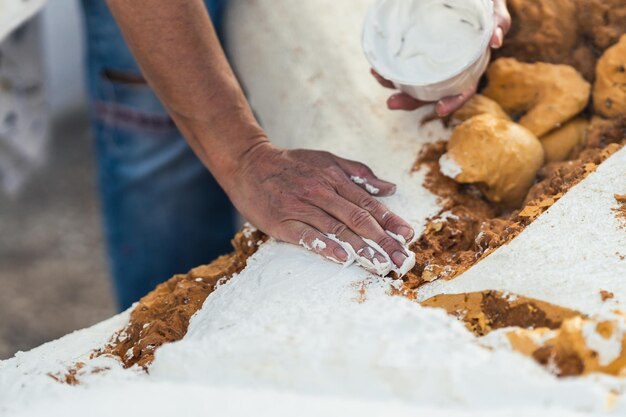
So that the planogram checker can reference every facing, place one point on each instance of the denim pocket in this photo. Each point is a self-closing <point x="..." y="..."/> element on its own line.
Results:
<point x="131" y="106"/>
<point x="130" y="119"/>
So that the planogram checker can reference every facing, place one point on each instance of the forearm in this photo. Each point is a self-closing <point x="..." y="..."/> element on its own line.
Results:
<point x="180" y="56"/>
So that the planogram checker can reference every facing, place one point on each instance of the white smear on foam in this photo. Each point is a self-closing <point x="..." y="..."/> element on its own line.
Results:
<point x="608" y="349"/>
<point x="288" y="325"/>
<point x="374" y="265"/>
<point x="449" y="167"/>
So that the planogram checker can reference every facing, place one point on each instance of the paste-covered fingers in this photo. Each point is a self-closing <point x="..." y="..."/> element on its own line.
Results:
<point x="363" y="176"/>
<point x="312" y="239"/>
<point x="449" y="105"/>
<point x="341" y="234"/>
<point x="362" y="223"/>
<point x="389" y="221"/>
<point x="382" y="80"/>
<point x="403" y="101"/>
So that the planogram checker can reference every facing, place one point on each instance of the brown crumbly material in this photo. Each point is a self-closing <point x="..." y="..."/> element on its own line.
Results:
<point x="609" y="91"/>
<point x="571" y="32"/>
<point x="542" y="31"/>
<point x="601" y="22"/>
<point x="163" y="315"/>
<point x="606" y="295"/>
<point x="544" y="96"/>
<point x="468" y="227"/>
<point x="620" y="210"/>
<point x="483" y="312"/>
<point x="70" y="377"/>
<point x="73" y="375"/>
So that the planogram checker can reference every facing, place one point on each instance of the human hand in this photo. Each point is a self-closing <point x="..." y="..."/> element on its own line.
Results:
<point x="303" y="197"/>
<point x="447" y="105"/>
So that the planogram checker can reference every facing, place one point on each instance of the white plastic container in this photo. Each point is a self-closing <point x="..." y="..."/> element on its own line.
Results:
<point x="452" y="67"/>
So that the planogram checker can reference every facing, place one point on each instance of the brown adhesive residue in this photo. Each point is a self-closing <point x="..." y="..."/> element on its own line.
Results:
<point x="620" y="210"/>
<point x="483" y="312"/>
<point x="606" y="295"/>
<point x="565" y="350"/>
<point x="163" y="315"/>
<point x="71" y="376"/>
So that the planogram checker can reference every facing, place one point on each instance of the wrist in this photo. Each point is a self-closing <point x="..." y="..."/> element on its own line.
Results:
<point x="227" y="163"/>
<point x="222" y="146"/>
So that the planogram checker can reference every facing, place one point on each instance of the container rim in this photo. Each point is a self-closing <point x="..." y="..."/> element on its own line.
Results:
<point x="365" y="40"/>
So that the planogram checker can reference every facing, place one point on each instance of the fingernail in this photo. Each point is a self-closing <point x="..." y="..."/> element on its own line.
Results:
<point x="371" y="254"/>
<point x="381" y="259"/>
<point x="341" y="254"/>
<point x="440" y="109"/>
<point x="398" y="258"/>
<point x="499" y="38"/>
<point x="406" y="232"/>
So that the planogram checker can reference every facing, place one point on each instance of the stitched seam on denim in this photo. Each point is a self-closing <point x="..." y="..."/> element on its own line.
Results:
<point x="126" y="117"/>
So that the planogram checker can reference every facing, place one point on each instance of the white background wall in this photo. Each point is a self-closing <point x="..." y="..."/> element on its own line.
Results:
<point x="63" y="46"/>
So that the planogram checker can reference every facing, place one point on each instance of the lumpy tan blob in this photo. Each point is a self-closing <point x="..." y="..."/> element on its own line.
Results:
<point x="478" y="105"/>
<point x="609" y="92"/>
<point x="499" y="155"/>
<point x="560" y="144"/>
<point x="544" y="95"/>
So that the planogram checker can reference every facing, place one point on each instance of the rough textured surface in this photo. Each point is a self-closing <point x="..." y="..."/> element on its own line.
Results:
<point x="163" y="315"/>
<point x="468" y="228"/>
<point x="543" y="31"/>
<point x="572" y="32"/>
<point x="544" y="96"/>
<point x="483" y="312"/>
<point x="578" y="346"/>
<point x="602" y="22"/>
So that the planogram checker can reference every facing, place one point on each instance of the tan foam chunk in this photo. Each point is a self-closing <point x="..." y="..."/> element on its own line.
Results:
<point x="561" y="143"/>
<point x="499" y="155"/>
<point x="580" y="346"/>
<point x="609" y="91"/>
<point x="478" y="105"/>
<point x="483" y="312"/>
<point x="546" y="95"/>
